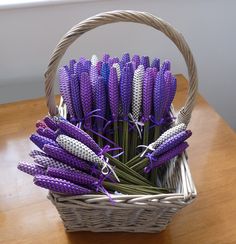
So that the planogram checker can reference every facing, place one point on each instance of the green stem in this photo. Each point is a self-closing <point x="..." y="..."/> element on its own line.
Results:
<point x="146" y="133"/>
<point x="134" y="160"/>
<point x="134" y="142"/>
<point x="100" y="141"/>
<point x="154" y="171"/>
<point x="125" y="141"/>
<point x="140" y="165"/>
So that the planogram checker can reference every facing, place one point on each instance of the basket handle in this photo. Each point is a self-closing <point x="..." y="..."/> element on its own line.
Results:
<point x="184" y="114"/>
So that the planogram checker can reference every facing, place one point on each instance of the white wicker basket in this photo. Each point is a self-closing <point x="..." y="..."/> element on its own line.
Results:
<point x="130" y="213"/>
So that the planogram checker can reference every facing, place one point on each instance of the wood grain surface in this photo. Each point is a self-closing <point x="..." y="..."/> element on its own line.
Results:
<point x="26" y="216"/>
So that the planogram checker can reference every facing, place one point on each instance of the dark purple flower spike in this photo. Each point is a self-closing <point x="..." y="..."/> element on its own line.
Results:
<point x="113" y="89"/>
<point x="87" y="65"/>
<point x="51" y="123"/>
<point x="47" y="132"/>
<point x="105" y="58"/>
<point x="65" y="90"/>
<point x="40" y="141"/>
<point x="172" y="93"/>
<point x="105" y="71"/>
<point x="145" y="61"/>
<point x="72" y="64"/>
<point x="75" y="93"/>
<point x="154" y="72"/>
<point x="129" y="65"/>
<point x="112" y="61"/>
<point x="125" y="58"/>
<point x="164" y="158"/>
<point x="136" y="61"/>
<point x="59" y="185"/>
<point x="79" y="69"/>
<point x="31" y="169"/>
<point x="125" y="91"/>
<point x="99" y="67"/>
<point x="148" y="84"/>
<point x="100" y="102"/>
<point x="165" y="66"/>
<point x="156" y="64"/>
<point x="86" y="97"/>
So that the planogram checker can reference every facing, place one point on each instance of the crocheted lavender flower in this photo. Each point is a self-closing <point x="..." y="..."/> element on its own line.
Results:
<point x="136" y="61"/>
<point x="93" y="77"/>
<point x="147" y="94"/>
<point x="164" y="158"/>
<point x="46" y="161"/>
<point x="72" y="64"/>
<point x="125" y="58"/>
<point x="172" y="142"/>
<point x="172" y="92"/>
<point x="156" y="64"/>
<point x="113" y="89"/>
<point x="94" y="60"/>
<point x="105" y="71"/>
<point x="154" y="73"/>
<point x="35" y="153"/>
<point x="59" y="185"/>
<point x="159" y="96"/>
<point x="86" y="97"/>
<point x="47" y="133"/>
<point x="82" y="60"/>
<point x="168" y="134"/>
<point x="51" y="123"/>
<point x="75" y="93"/>
<point x="145" y="61"/>
<point x="79" y="178"/>
<point x="165" y="66"/>
<point x="79" y="134"/>
<point x="100" y="102"/>
<point x="65" y="90"/>
<point x="117" y="67"/>
<point x="87" y="65"/>
<point x="105" y="58"/>
<point x="63" y="156"/>
<point x="125" y="91"/>
<point x="31" y="169"/>
<point x="137" y="92"/>
<point x="99" y="67"/>
<point x="79" y="69"/>
<point x="112" y="61"/>
<point x="40" y="141"/>
<point x="40" y="123"/>
<point x="129" y="65"/>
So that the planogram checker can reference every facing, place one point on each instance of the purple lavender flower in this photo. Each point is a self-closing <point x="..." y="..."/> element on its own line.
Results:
<point x="63" y="156"/>
<point x="50" y="122"/>
<point x="154" y="72"/>
<point x="125" y="58"/>
<point x="99" y="67"/>
<point x="79" y="69"/>
<point x="79" y="134"/>
<point x="31" y="169"/>
<point x="40" y="123"/>
<point x="145" y="61"/>
<point x="40" y="141"/>
<point x="172" y="92"/>
<point x="59" y="185"/>
<point x="105" y="71"/>
<point x="165" y="66"/>
<point x="87" y="65"/>
<point x="136" y="61"/>
<point x="75" y="93"/>
<point x="113" y="88"/>
<point x="147" y="94"/>
<point x="93" y="76"/>
<point x="129" y="65"/>
<point x="72" y="64"/>
<point x="86" y="97"/>
<point x="159" y="96"/>
<point x="112" y="61"/>
<point x="172" y="142"/>
<point x="65" y="90"/>
<point x="164" y="158"/>
<point x="47" y="133"/>
<point x="35" y="153"/>
<point x="77" y="177"/>
<point x="156" y="64"/>
<point x="105" y="58"/>
<point x="125" y="91"/>
<point x="100" y="102"/>
<point x="82" y="60"/>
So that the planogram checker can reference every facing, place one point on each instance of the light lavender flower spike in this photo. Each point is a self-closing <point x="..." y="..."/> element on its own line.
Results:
<point x="94" y="60"/>
<point x="113" y="88"/>
<point x="72" y="64"/>
<point x="82" y="60"/>
<point x="59" y="185"/>
<point x="164" y="158"/>
<point x="137" y="92"/>
<point x="48" y="133"/>
<point x="86" y="97"/>
<point x="31" y="169"/>
<point x="125" y="58"/>
<point x="93" y="78"/>
<point x="35" y="153"/>
<point x="65" y="90"/>
<point x="82" y="151"/>
<point x="117" y="67"/>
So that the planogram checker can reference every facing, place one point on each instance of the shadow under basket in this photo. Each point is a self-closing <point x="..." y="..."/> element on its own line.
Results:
<point x="127" y="213"/>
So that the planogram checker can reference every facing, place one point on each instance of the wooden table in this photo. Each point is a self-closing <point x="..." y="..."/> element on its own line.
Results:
<point x="26" y="216"/>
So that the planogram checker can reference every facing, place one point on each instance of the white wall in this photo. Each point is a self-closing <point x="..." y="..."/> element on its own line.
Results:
<point x="28" y="36"/>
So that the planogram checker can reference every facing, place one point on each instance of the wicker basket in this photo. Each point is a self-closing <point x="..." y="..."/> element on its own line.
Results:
<point x="130" y="213"/>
